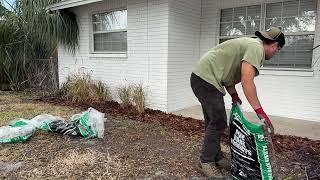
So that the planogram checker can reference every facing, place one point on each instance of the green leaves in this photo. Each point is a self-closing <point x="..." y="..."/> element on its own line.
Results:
<point x="31" y="32"/>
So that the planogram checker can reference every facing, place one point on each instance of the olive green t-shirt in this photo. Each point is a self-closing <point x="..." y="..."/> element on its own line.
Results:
<point x="221" y="66"/>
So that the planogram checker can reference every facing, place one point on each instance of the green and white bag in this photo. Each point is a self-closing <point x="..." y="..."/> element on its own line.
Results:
<point x="88" y="124"/>
<point x="251" y="149"/>
<point x="18" y="132"/>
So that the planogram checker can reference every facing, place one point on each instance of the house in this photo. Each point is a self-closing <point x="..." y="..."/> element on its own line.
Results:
<point x="157" y="42"/>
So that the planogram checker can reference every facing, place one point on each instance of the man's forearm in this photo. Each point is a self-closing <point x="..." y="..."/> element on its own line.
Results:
<point x="249" y="89"/>
<point x="231" y="89"/>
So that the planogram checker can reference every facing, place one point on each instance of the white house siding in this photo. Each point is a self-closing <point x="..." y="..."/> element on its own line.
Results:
<point x="146" y="60"/>
<point x="287" y="94"/>
<point x="183" y="53"/>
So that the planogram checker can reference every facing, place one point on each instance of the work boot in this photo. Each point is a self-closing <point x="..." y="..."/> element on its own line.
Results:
<point x="210" y="170"/>
<point x="224" y="163"/>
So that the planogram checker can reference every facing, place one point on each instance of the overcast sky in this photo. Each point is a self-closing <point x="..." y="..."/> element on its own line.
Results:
<point x="6" y="3"/>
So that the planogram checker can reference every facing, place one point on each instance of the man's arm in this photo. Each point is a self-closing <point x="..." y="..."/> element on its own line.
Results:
<point x="249" y="88"/>
<point x="231" y="90"/>
<point x="233" y="93"/>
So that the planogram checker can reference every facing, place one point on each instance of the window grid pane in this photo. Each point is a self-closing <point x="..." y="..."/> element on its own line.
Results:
<point x="116" y="20"/>
<point x="111" y="42"/>
<point x="240" y="21"/>
<point x="109" y="31"/>
<point x="296" y="16"/>
<point x="297" y="53"/>
<point x="293" y="16"/>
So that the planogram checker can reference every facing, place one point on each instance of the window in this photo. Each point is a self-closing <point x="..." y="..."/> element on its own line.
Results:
<point x="240" y="21"/>
<point x="297" y="19"/>
<point x="110" y="32"/>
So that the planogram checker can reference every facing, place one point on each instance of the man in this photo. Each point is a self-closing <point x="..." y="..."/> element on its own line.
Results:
<point x="224" y="66"/>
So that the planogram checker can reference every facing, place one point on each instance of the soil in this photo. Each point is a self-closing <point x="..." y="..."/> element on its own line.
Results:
<point x="150" y="145"/>
<point x="298" y="158"/>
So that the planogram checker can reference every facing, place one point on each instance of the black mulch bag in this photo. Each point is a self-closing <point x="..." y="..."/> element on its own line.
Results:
<point x="251" y="149"/>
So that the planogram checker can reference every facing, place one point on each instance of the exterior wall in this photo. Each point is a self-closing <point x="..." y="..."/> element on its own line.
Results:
<point x="146" y="59"/>
<point x="293" y="94"/>
<point x="183" y="53"/>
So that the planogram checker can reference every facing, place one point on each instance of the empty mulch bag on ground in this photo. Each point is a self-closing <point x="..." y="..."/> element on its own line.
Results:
<point x="251" y="149"/>
<point x="16" y="133"/>
<point x="88" y="124"/>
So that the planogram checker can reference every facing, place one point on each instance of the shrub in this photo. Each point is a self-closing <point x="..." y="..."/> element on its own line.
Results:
<point x="100" y="92"/>
<point x="124" y="94"/>
<point x="81" y="88"/>
<point x="138" y="97"/>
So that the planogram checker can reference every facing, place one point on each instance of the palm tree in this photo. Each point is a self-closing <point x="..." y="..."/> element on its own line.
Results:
<point x="32" y="32"/>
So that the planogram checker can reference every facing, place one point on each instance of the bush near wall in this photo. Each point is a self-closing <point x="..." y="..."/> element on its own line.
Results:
<point x="81" y="88"/>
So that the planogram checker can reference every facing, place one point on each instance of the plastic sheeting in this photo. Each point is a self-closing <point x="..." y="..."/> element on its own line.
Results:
<point x="88" y="124"/>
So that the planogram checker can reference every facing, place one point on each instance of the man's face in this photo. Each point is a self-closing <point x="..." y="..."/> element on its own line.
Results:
<point x="272" y="49"/>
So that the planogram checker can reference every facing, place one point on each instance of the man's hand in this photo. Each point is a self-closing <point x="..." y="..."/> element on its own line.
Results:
<point x="234" y="95"/>
<point x="262" y="115"/>
<point x="235" y="98"/>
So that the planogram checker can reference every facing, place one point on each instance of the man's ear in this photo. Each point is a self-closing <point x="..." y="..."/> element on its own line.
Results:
<point x="275" y="44"/>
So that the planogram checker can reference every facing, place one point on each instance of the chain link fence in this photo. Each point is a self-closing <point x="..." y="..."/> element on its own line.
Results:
<point x="42" y="76"/>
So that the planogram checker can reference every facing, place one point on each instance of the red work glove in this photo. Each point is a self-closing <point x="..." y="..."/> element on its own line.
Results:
<point x="235" y="98"/>
<point x="263" y="116"/>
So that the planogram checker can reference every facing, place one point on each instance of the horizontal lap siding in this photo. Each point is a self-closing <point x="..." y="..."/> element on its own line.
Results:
<point x="288" y="96"/>
<point x="184" y="36"/>
<point x="146" y="60"/>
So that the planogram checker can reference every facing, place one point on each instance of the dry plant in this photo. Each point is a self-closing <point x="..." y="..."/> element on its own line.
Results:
<point x="81" y="88"/>
<point x="138" y="97"/>
<point x="74" y="162"/>
<point x="100" y="92"/>
<point x="124" y="94"/>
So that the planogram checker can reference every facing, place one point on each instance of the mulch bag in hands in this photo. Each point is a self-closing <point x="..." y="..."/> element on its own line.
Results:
<point x="89" y="124"/>
<point x="251" y="149"/>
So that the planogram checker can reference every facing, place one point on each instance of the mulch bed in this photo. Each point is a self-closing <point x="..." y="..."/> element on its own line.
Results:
<point x="302" y="151"/>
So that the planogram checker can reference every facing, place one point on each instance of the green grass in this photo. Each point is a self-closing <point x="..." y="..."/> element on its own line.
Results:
<point x="13" y="107"/>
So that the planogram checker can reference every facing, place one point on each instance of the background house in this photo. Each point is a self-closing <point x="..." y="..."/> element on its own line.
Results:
<point x="157" y="42"/>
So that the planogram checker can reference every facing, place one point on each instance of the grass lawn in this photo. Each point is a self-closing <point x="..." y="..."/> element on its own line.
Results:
<point x="129" y="150"/>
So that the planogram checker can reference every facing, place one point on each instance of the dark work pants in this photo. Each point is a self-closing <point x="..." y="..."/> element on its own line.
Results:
<point x="215" y="118"/>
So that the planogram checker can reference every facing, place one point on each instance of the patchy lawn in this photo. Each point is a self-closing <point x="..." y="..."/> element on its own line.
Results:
<point x="129" y="150"/>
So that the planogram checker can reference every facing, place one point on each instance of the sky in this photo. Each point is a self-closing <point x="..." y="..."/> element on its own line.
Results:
<point x="5" y="2"/>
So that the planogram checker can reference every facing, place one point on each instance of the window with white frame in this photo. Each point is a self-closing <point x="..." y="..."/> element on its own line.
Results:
<point x="110" y="32"/>
<point x="297" y="19"/>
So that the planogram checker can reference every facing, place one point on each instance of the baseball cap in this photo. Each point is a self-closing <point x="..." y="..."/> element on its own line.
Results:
<point x="272" y="34"/>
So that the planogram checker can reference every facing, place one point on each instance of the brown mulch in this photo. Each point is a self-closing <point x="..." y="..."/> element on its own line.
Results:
<point x="302" y="151"/>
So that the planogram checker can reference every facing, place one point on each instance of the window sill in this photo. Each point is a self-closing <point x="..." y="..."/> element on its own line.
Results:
<point x="108" y="55"/>
<point x="287" y="72"/>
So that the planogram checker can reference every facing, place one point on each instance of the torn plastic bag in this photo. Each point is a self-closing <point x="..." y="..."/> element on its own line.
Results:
<point x="18" y="132"/>
<point x="64" y="128"/>
<point x="42" y="121"/>
<point x="251" y="149"/>
<point x="88" y="124"/>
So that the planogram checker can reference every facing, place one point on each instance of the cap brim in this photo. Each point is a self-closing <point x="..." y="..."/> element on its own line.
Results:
<point x="262" y="34"/>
